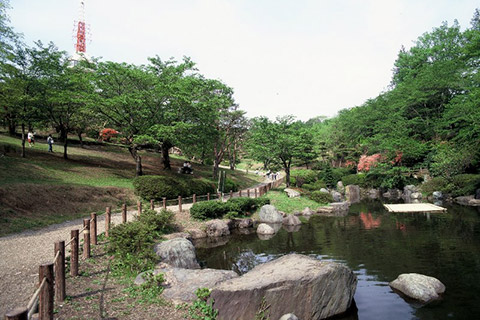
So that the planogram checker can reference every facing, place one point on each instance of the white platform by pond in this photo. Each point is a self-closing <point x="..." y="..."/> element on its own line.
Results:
<point x="414" y="207"/>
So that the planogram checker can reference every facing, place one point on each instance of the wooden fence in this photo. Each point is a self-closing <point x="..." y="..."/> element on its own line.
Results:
<point x="51" y="282"/>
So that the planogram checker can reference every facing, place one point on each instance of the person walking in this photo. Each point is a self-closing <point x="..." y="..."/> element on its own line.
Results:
<point x="50" y="143"/>
<point x="31" y="138"/>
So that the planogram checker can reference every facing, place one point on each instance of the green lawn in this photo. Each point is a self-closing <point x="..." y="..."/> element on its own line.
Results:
<point x="282" y="202"/>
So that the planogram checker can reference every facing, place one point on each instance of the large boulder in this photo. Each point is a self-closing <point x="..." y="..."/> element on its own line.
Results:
<point x="292" y="193"/>
<point x="340" y="206"/>
<point x="196" y="233"/>
<point x="352" y="193"/>
<point x="270" y="214"/>
<point x="217" y="228"/>
<point x="309" y="288"/>
<point x="264" y="228"/>
<point x="291" y="220"/>
<point x="177" y="252"/>
<point x="180" y="284"/>
<point x="418" y="286"/>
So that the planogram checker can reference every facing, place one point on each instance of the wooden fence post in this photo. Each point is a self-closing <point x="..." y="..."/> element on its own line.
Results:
<point x="180" y="203"/>
<point x="139" y="208"/>
<point x="45" y="299"/>
<point x="108" y="221"/>
<point x="231" y="194"/>
<point x="152" y="204"/>
<point x="93" y="229"/>
<point x="74" y="253"/>
<point x="164" y="204"/>
<point x="255" y="192"/>
<point x="86" y="239"/>
<point x="59" y="269"/>
<point x="17" y="314"/>
<point x="124" y="213"/>
<point x="248" y="193"/>
<point x="240" y="193"/>
<point x="194" y="198"/>
<point x="208" y="196"/>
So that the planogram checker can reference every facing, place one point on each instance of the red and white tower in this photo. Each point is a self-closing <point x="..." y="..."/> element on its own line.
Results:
<point x="80" y="33"/>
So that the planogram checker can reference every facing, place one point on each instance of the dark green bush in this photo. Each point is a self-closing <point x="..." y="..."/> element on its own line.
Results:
<point x="357" y="179"/>
<point x="157" y="187"/>
<point x="230" y="185"/>
<point x="303" y="176"/>
<point x="465" y="184"/>
<point x="437" y="184"/>
<point x="339" y="173"/>
<point x="216" y="209"/>
<point x="161" y="222"/>
<point x="321" y="197"/>
<point x="132" y="242"/>
<point x="208" y="210"/>
<point x="317" y="185"/>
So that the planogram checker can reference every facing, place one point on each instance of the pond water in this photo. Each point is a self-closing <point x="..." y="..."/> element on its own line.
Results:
<point x="378" y="246"/>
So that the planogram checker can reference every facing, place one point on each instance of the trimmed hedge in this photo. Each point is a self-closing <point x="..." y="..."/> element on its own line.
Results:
<point x="357" y="179"/>
<point x="233" y="207"/>
<point x="157" y="187"/>
<point x="302" y="176"/>
<point x="317" y="185"/>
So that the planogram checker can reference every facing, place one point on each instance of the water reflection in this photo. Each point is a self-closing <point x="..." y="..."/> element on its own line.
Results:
<point x="379" y="246"/>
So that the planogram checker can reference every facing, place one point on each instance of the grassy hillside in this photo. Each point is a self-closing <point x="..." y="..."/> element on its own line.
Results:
<point x="43" y="188"/>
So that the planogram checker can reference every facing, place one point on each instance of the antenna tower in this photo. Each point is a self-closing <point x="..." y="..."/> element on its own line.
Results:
<point x="81" y="30"/>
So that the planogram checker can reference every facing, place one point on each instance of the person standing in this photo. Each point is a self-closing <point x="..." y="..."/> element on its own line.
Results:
<point x="50" y="143"/>
<point x="31" y="138"/>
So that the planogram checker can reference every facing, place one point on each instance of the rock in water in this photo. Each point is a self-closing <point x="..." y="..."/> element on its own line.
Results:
<point x="291" y="220"/>
<point x="309" y="288"/>
<point x="264" y="228"/>
<point x="217" y="228"/>
<point x="418" y="286"/>
<point x="177" y="252"/>
<point x="270" y="214"/>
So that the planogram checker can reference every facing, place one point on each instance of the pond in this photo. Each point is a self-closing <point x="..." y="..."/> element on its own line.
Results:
<point x="378" y="246"/>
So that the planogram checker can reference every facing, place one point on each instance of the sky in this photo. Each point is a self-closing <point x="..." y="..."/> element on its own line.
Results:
<point x="306" y="58"/>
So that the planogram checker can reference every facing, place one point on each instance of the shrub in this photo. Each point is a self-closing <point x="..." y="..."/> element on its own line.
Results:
<point x="132" y="243"/>
<point x="161" y="222"/>
<point x="437" y="184"/>
<point x="242" y="204"/>
<point x="230" y="185"/>
<point x="338" y="173"/>
<point x="357" y="179"/>
<point x="321" y="197"/>
<point x="317" y="185"/>
<point x="208" y="210"/>
<point x="465" y="184"/>
<point x="303" y="176"/>
<point x="157" y="187"/>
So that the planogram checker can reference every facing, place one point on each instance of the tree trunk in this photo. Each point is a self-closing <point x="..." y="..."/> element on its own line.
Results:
<point x="80" y="138"/>
<point x="11" y="127"/>
<point x="65" y="143"/>
<point x="63" y="134"/>
<point x="166" y="156"/>
<point x="216" y="164"/>
<point x="23" y="140"/>
<point x="287" y="175"/>
<point x="138" y="160"/>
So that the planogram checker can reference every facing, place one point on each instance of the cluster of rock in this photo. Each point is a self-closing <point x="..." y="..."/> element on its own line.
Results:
<point x="292" y="286"/>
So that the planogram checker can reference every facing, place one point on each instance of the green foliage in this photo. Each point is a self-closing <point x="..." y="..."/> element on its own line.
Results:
<point x="317" y="185"/>
<point x="202" y="308"/>
<point x="321" y="197"/>
<point x="148" y="292"/>
<point x="465" y="184"/>
<point x="262" y="313"/>
<point x="157" y="187"/>
<point x="450" y="160"/>
<point x="132" y="242"/>
<point x="356" y="179"/>
<point x="233" y="208"/>
<point x="283" y="203"/>
<point x="303" y="176"/>
<point x="208" y="210"/>
<point x="437" y="184"/>
<point x="230" y="185"/>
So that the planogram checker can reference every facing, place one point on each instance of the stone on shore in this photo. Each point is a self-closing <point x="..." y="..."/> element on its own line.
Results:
<point x="265" y="229"/>
<point x="180" y="284"/>
<point x="419" y="287"/>
<point x="177" y="252"/>
<point x="309" y="288"/>
<point x="292" y="193"/>
<point x="270" y="214"/>
<point x="352" y="193"/>
<point x="196" y="233"/>
<point x="307" y="212"/>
